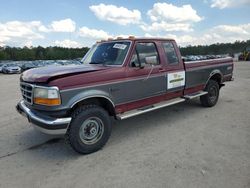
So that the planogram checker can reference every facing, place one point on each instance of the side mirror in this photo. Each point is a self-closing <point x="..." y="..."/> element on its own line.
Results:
<point x="151" y="60"/>
<point x="137" y="65"/>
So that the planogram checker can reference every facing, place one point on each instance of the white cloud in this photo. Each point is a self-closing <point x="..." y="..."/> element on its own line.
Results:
<point x="3" y="39"/>
<point x="2" y="44"/>
<point x="28" y="44"/>
<point x="119" y="15"/>
<point x="217" y="34"/>
<point x="163" y="26"/>
<point x="23" y="33"/>
<point x="230" y="33"/>
<point x="221" y="4"/>
<point x="125" y="36"/>
<point x="185" y="40"/>
<point x="66" y="25"/>
<point x="17" y="32"/>
<point x="68" y="44"/>
<point x="170" y="13"/>
<point x="19" y="29"/>
<point x="223" y="34"/>
<point x="243" y="29"/>
<point x="43" y="28"/>
<point x="93" y="33"/>
<point x="168" y="17"/>
<point x="182" y="40"/>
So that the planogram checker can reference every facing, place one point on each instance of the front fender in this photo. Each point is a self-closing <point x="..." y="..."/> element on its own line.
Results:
<point x="74" y="96"/>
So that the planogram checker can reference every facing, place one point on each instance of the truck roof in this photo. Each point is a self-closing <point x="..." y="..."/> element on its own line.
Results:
<point x="132" y="38"/>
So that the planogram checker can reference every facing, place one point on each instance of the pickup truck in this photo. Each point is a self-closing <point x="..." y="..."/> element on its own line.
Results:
<point x="119" y="78"/>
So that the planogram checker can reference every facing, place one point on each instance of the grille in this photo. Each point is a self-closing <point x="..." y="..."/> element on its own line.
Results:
<point x="27" y="92"/>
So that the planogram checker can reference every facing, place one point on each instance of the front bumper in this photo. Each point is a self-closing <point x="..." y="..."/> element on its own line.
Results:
<point x="44" y="123"/>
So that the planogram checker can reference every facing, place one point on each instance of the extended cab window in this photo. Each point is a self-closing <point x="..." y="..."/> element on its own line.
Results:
<point x="170" y="53"/>
<point x="143" y="50"/>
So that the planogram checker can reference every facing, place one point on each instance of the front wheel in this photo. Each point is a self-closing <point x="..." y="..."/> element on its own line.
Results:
<point x="90" y="129"/>
<point x="211" y="98"/>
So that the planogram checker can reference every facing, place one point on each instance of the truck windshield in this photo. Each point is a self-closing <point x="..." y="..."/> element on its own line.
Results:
<point x="107" y="53"/>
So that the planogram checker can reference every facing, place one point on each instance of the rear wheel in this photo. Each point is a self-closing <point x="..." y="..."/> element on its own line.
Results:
<point x="212" y="97"/>
<point x="90" y="129"/>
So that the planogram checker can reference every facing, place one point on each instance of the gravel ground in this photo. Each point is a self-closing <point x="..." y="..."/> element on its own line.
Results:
<point x="184" y="145"/>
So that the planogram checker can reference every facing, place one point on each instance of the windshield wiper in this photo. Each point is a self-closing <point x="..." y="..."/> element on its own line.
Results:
<point x="96" y="62"/>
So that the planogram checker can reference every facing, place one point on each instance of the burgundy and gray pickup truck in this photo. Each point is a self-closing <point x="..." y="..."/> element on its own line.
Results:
<point x="119" y="79"/>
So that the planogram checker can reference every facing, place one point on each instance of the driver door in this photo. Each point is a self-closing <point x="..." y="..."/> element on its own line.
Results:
<point x="145" y="80"/>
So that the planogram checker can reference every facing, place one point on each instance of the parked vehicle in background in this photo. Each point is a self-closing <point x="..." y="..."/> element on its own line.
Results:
<point x="76" y="62"/>
<point x="61" y="62"/>
<point x="203" y="57"/>
<point x="119" y="78"/>
<point x="38" y="63"/>
<point x="1" y="67"/>
<point x="50" y="63"/>
<point x="11" y="68"/>
<point x="27" y="66"/>
<point x="245" y="55"/>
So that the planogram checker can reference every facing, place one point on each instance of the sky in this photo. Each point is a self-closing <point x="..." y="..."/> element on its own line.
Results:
<point x="80" y="23"/>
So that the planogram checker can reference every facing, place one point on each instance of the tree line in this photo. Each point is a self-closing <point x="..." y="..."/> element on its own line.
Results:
<point x="216" y="49"/>
<point x="53" y="53"/>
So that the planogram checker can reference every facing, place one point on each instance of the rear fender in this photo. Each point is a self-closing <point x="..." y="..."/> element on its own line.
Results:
<point x="215" y="74"/>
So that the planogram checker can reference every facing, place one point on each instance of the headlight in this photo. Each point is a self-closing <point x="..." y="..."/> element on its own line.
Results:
<point x="46" y="96"/>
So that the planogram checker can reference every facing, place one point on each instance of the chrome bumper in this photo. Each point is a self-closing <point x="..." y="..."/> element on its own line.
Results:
<point x="43" y="123"/>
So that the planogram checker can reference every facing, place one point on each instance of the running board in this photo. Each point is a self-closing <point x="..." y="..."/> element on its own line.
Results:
<point x="156" y="106"/>
<point x="194" y="95"/>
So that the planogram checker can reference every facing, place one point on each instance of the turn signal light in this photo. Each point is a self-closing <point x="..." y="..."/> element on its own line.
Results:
<point x="48" y="102"/>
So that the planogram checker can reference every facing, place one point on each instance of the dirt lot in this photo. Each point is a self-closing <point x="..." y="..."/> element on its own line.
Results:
<point x="181" y="146"/>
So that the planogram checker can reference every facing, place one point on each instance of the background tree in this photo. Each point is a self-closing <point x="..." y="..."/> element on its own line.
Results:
<point x="53" y="53"/>
<point x="215" y="49"/>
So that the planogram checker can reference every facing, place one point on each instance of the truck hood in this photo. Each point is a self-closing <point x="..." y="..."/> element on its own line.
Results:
<point x="44" y="74"/>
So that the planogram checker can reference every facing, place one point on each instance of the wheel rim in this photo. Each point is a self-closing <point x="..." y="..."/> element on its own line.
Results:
<point x="91" y="130"/>
<point x="213" y="93"/>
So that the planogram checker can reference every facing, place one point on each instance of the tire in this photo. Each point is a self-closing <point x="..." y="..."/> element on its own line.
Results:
<point x="212" y="97"/>
<point x="90" y="129"/>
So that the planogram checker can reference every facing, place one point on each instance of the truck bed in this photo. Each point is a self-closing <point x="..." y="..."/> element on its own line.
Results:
<point x="199" y="72"/>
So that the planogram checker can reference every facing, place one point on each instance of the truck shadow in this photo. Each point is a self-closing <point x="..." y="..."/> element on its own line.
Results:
<point x="126" y="129"/>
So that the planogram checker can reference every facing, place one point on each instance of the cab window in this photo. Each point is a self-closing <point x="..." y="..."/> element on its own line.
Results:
<point x="170" y="53"/>
<point x="143" y="50"/>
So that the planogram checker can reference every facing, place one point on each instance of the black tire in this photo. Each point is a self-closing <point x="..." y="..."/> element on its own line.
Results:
<point x="89" y="121"/>
<point x="212" y="97"/>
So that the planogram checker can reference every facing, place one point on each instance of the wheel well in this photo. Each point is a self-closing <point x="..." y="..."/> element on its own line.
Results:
<point x="100" y="101"/>
<point x="217" y="77"/>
